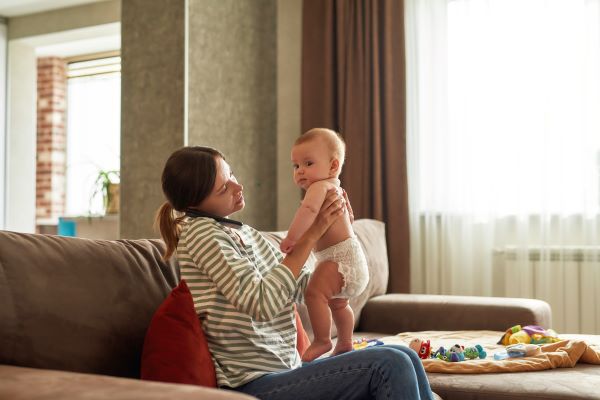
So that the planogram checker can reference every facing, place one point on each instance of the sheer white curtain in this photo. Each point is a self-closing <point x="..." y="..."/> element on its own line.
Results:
<point x="504" y="151"/>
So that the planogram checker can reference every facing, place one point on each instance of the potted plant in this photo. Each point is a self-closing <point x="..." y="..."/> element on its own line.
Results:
<point x="107" y="184"/>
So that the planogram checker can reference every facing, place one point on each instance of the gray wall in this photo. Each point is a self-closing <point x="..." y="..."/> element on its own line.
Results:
<point x="241" y="82"/>
<point x="152" y="105"/>
<point x="232" y="95"/>
<point x="230" y="88"/>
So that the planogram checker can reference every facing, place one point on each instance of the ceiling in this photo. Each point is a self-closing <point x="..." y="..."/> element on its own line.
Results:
<point x="14" y="8"/>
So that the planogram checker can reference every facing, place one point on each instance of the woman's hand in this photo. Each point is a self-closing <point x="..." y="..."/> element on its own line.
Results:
<point x="333" y="206"/>
<point x="348" y="207"/>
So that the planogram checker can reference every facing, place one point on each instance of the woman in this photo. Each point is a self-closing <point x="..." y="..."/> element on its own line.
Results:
<point x="244" y="291"/>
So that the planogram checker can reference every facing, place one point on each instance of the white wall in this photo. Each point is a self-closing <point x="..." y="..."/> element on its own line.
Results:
<point x="3" y="62"/>
<point x="84" y="29"/>
<point x="21" y="138"/>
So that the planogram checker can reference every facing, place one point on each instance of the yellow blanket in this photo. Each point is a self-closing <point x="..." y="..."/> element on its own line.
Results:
<point x="563" y="354"/>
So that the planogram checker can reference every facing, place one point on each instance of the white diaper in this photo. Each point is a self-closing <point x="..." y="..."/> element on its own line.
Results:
<point x="352" y="264"/>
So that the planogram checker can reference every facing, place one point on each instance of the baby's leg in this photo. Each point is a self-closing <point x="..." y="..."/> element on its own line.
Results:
<point x="324" y="283"/>
<point x="344" y="322"/>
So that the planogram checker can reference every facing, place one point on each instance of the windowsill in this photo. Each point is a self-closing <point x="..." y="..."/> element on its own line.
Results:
<point x="90" y="227"/>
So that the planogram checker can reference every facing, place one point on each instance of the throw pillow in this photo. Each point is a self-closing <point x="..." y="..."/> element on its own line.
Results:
<point x="175" y="348"/>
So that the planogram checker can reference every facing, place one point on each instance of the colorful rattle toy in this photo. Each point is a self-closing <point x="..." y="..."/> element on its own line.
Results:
<point x="453" y="354"/>
<point x="528" y="334"/>
<point x="458" y="353"/>
<point x="477" y="351"/>
<point x="422" y="347"/>
<point x="363" y="343"/>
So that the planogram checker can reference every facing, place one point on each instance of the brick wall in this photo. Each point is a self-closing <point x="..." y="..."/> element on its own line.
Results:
<point x="51" y="137"/>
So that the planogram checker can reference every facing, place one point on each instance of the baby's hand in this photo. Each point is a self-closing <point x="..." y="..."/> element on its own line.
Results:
<point x="287" y="245"/>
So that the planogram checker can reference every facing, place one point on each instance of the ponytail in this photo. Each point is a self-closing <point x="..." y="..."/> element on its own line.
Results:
<point x="169" y="227"/>
<point x="187" y="179"/>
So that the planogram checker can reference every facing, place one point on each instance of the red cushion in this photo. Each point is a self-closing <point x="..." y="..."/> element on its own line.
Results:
<point x="175" y="348"/>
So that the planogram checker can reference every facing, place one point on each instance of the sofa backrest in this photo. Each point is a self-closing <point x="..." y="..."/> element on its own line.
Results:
<point x="77" y="304"/>
<point x="371" y="235"/>
<point x="85" y="305"/>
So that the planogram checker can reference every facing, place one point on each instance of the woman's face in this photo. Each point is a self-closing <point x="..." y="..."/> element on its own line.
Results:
<point x="226" y="196"/>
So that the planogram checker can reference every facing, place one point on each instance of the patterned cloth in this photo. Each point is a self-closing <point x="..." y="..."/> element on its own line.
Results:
<point x="571" y="350"/>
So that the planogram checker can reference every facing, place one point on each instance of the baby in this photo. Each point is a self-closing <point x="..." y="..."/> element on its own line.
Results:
<point x="341" y="272"/>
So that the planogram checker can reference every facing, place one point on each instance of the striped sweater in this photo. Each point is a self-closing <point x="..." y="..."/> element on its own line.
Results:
<point x="244" y="298"/>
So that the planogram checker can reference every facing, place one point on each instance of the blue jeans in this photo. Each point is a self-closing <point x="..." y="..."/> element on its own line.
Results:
<point x="380" y="372"/>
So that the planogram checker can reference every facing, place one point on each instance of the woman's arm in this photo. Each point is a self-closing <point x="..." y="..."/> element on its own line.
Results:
<point x="333" y="207"/>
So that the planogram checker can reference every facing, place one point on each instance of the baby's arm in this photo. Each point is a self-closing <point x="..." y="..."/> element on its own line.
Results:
<point x="306" y="214"/>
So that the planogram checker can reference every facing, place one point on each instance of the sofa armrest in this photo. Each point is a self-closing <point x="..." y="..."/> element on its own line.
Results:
<point x="44" y="384"/>
<point x="394" y="313"/>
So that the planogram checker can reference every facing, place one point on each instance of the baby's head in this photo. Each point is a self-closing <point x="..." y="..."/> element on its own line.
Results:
<point x="317" y="155"/>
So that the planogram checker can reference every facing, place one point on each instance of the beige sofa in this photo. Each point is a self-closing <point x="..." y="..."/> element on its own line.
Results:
<point x="74" y="312"/>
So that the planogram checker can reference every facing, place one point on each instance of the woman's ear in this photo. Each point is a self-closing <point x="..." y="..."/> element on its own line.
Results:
<point x="334" y="166"/>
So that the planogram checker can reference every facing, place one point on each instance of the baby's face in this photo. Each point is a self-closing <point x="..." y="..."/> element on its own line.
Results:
<point x="312" y="162"/>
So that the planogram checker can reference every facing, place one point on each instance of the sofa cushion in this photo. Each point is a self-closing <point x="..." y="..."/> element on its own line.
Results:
<point x="175" y="348"/>
<point x="43" y="384"/>
<point x="78" y="304"/>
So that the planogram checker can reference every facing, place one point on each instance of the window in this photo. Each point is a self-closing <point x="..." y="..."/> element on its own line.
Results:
<point x="508" y="100"/>
<point x="93" y="129"/>
<point x="503" y="139"/>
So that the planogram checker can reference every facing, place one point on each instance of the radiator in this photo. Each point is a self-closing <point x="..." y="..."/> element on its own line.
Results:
<point x="568" y="278"/>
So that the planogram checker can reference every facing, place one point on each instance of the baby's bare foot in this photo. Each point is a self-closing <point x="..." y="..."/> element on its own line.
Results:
<point x="316" y="349"/>
<point x="342" y="347"/>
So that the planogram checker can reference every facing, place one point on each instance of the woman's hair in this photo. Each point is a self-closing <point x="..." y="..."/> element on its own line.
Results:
<point x="187" y="179"/>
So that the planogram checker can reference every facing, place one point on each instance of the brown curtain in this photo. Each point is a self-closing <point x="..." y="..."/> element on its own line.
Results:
<point x="353" y="81"/>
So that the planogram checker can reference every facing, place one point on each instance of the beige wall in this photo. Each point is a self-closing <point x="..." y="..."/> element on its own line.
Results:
<point x="289" y="46"/>
<point x="26" y="35"/>
<point x="240" y="78"/>
<point x="65" y="19"/>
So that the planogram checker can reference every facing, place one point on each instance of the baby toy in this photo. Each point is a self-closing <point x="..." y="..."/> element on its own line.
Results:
<point x="475" y="352"/>
<point x="518" y="350"/>
<point x="458" y="353"/>
<point x="422" y="347"/>
<point x="528" y="334"/>
<point x="363" y="343"/>
<point x="453" y="354"/>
